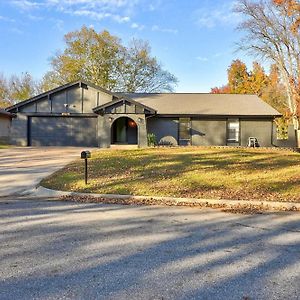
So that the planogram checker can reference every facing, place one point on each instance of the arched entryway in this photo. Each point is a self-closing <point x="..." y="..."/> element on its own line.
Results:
<point x="124" y="131"/>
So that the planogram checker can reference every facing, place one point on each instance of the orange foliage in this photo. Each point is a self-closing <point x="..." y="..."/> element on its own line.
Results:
<point x="225" y="89"/>
<point x="293" y="7"/>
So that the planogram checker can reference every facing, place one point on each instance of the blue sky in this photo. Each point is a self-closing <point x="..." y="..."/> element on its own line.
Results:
<point x="194" y="39"/>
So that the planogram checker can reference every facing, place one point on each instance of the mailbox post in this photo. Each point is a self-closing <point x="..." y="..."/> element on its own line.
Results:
<point x="85" y="155"/>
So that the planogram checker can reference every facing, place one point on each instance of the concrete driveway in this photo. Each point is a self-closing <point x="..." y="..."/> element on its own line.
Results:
<point x="22" y="168"/>
<point x="64" y="250"/>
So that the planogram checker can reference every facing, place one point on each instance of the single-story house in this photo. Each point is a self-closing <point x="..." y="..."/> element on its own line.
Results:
<point x="83" y="114"/>
<point x="5" y="120"/>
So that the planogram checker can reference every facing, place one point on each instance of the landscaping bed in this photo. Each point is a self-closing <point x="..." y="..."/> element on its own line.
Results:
<point x="211" y="173"/>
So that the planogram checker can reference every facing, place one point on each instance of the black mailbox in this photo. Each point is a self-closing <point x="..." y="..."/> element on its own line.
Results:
<point x="85" y="154"/>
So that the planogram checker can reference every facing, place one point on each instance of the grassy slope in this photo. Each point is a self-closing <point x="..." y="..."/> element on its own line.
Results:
<point x="5" y="146"/>
<point x="187" y="172"/>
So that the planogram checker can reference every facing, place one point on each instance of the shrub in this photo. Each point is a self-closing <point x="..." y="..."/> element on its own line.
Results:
<point x="151" y="137"/>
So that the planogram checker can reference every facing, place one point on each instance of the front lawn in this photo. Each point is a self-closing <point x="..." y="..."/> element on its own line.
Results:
<point x="226" y="173"/>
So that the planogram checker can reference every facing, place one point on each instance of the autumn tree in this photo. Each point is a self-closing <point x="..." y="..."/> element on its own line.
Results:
<point x="238" y="77"/>
<point x="272" y="34"/>
<point x="224" y="89"/>
<point x="293" y="9"/>
<point x="102" y="59"/>
<point x="17" y="88"/>
<point x="21" y="87"/>
<point x="4" y="98"/>
<point x="255" y="81"/>
<point x="275" y="93"/>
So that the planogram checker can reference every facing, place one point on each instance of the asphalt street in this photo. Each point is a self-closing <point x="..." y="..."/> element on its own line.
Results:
<point x="66" y="250"/>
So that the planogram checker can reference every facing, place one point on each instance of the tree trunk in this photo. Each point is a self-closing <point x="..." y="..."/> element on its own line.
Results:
<point x="298" y="138"/>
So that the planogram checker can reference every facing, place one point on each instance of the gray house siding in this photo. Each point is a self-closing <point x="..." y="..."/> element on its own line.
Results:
<point x="165" y="130"/>
<point x="18" y="134"/>
<point x="81" y="114"/>
<point x="261" y="129"/>
<point x="208" y="132"/>
<point x="71" y="100"/>
<point x="42" y="123"/>
<point x="4" y="129"/>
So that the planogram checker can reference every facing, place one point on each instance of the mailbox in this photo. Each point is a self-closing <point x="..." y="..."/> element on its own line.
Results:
<point x="85" y="154"/>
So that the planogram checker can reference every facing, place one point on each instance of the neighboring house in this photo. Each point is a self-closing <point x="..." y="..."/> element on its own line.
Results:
<point x="82" y="114"/>
<point x="5" y="121"/>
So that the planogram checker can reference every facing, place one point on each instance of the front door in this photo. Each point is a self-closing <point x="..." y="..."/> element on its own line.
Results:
<point x="124" y="131"/>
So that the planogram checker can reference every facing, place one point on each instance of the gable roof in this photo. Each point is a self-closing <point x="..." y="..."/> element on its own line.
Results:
<point x="58" y="89"/>
<point x="205" y="104"/>
<point x="123" y="99"/>
<point x="178" y="103"/>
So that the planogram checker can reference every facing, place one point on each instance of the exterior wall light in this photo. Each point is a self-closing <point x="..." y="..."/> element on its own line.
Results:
<point x="131" y="124"/>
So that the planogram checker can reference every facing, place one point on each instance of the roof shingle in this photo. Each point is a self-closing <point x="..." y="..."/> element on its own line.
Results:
<point x="205" y="104"/>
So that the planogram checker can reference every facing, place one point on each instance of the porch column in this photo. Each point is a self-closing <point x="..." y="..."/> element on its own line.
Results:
<point x="103" y="131"/>
<point x="142" y="132"/>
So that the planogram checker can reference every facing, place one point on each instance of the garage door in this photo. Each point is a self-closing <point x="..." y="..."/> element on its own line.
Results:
<point x="62" y="131"/>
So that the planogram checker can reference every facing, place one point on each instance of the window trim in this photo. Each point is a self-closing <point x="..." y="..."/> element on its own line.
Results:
<point x="189" y="122"/>
<point x="231" y="141"/>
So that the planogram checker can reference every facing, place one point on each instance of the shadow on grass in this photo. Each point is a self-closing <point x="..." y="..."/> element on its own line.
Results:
<point x="184" y="172"/>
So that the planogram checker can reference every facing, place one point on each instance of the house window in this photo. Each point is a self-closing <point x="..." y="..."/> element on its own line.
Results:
<point x="184" y="131"/>
<point x="233" y="130"/>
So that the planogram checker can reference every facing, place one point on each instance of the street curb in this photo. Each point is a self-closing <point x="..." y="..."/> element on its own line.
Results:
<point x="43" y="192"/>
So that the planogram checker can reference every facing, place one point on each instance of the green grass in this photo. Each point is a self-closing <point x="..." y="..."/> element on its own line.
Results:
<point x="5" y="146"/>
<point x="187" y="172"/>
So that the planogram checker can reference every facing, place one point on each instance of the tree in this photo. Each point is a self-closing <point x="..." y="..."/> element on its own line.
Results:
<point x="4" y="98"/>
<point x="224" y="89"/>
<point x="258" y="80"/>
<point x="102" y="59"/>
<point x="293" y="8"/>
<point x="238" y="77"/>
<point x="88" y="56"/>
<point x="270" y="35"/>
<point x="139" y="72"/>
<point x="275" y="93"/>
<point x="21" y="87"/>
<point x="17" y="88"/>
<point x="255" y="81"/>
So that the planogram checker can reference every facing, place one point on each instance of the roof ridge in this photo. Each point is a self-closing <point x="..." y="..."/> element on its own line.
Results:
<point x="186" y="93"/>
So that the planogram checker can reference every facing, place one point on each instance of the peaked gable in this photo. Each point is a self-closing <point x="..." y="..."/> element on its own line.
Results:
<point x="56" y="91"/>
<point x="124" y="105"/>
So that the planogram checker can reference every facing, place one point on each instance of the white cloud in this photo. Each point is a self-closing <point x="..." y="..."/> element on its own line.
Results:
<point x="116" y="10"/>
<point x="218" y="54"/>
<point x="5" y="19"/>
<point x="154" y="5"/>
<point x="222" y="15"/>
<point x="16" y="30"/>
<point x="201" y="58"/>
<point x="27" y="4"/>
<point x="165" y="30"/>
<point x="137" y="26"/>
<point x="35" y="18"/>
